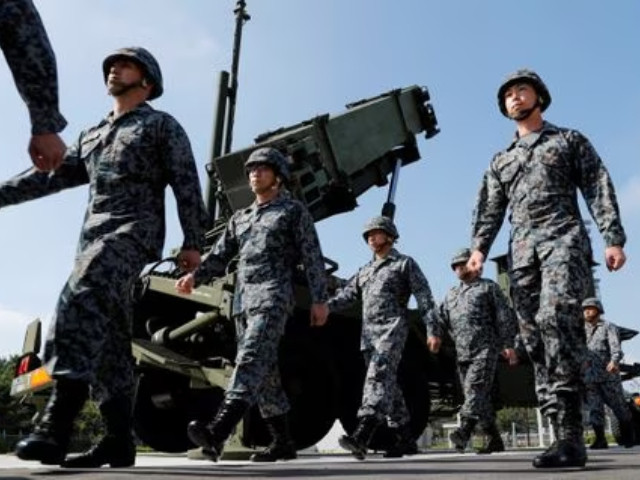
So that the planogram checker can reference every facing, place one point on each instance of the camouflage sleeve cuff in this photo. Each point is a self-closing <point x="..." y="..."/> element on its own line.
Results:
<point x="193" y="243"/>
<point x="46" y="121"/>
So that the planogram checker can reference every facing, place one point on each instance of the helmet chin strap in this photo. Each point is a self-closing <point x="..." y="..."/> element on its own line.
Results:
<point x="524" y="114"/>
<point x="139" y="84"/>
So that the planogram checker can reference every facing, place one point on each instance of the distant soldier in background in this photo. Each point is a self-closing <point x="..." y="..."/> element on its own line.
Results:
<point x="602" y="375"/>
<point x="483" y="326"/>
<point x="271" y="238"/>
<point x="128" y="159"/>
<point x="26" y="47"/>
<point x="537" y="177"/>
<point x="384" y="286"/>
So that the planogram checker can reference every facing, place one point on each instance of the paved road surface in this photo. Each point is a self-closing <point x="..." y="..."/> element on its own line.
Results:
<point x="615" y="463"/>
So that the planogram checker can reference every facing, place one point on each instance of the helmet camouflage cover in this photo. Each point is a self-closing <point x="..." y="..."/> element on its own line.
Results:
<point x="143" y="58"/>
<point x="593" y="302"/>
<point x="380" y="223"/>
<point x="524" y="76"/>
<point x="461" y="256"/>
<point x="272" y="157"/>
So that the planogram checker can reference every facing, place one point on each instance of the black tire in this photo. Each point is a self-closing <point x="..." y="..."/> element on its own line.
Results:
<point x="412" y="378"/>
<point x="615" y="430"/>
<point x="310" y="382"/>
<point x="164" y="407"/>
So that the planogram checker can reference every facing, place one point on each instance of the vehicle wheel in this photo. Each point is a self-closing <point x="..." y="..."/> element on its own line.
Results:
<point x="414" y="383"/>
<point x="165" y="405"/>
<point x="309" y="380"/>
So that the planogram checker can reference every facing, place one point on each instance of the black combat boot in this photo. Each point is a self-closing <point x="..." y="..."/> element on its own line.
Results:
<point x="358" y="442"/>
<point x="460" y="436"/>
<point x="600" y="442"/>
<point x="117" y="447"/>
<point x="492" y="441"/>
<point x="402" y="442"/>
<point x="627" y="439"/>
<point x="568" y="450"/>
<point x="282" y="446"/>
<point x="211" y="436"/>
<point x="50" y="438"/>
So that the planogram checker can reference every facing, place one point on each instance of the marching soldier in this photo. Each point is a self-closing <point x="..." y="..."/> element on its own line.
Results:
<point x="602" y="375"/>
<point x="537" y="177"/>
<point x="128" y="159"/>
<point x="384" y="285"/>
<point x="271" y="236"/>
<point x="482" y="325"/>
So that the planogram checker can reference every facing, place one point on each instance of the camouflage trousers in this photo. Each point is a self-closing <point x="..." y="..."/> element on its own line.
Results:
<point x="547" y="301"/>
<point x="90" y="334"/>
<point x="382" y="396"/>
<point x="256" y="377"/>
<point x="611" y="394"/>
<point x="477" y="378"/>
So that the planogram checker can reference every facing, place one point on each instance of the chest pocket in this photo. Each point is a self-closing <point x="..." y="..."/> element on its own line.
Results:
<point x="243" y="231"/>
<point x="507" y="167"/>
<point x="89" y="144"/>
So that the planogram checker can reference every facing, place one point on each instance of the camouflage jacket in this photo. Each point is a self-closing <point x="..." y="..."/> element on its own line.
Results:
<point x="537" y="177"/>
<point x="128" y="162"/>
<point x="603" y="346"/>
<point x="25" y="45"/>
<point x="478" y="318"/>
<point x="384" y="287"/>
<point x="271" y="240"/>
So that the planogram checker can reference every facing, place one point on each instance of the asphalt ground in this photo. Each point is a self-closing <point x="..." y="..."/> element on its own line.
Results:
<point x="615" y="463"/>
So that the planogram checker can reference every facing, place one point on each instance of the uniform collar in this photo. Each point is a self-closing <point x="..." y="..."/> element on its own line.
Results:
<point x="281" y="197"/>
<point x="143" y="107"/>
<point x="547" y="127"/>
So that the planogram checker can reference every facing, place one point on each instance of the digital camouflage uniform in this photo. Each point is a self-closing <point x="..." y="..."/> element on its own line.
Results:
<point x="384" y="286"/>
<point x="271" y="239"/>
<point x="550" y="256"/>
<point x="481" y="324"/>
<point x="603" y="346"/>
<point x="127" y="162"/>
<point x="25" y="44"/>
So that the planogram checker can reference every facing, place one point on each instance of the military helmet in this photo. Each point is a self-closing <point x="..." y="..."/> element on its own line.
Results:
<point x="461" y="256"/>
<point x="272" y="157"/>
<point x="144" y="60"/>
<point x="593" y="302"/>
<point x="380" y="223"/>
<point x="524" y="76"/>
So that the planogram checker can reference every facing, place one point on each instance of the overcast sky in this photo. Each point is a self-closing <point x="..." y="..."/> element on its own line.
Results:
<point x="301" y="58"/>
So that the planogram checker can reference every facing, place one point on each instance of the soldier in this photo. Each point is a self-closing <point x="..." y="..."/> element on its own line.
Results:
<point x="384" y="286"/>
<point x="537" y="176"/>
<point x="25" y="44"/>
<point x="482" y="325"/>
<point x="602" y="375"/>
<point x="271" y="237"/>
<point x="128" y="159"/>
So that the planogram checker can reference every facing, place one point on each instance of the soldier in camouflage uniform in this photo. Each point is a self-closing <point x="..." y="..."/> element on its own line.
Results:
<point x="128" y="160"/>
<point x="25" y="45"/>
<point x="537" y="177"/>
<point x="482" y="325"/>
<point x="271" y="237"/>
<point x="602" y="375"/>
<point x="384" y="286"/>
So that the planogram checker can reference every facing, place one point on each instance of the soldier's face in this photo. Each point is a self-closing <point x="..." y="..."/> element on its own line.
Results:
<point x="262" y="178"/>
<point x="591" y="314"/>
<point x="123" y="76"/>
<point x="519" y="98"/>
<point x="379" y="241"/>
